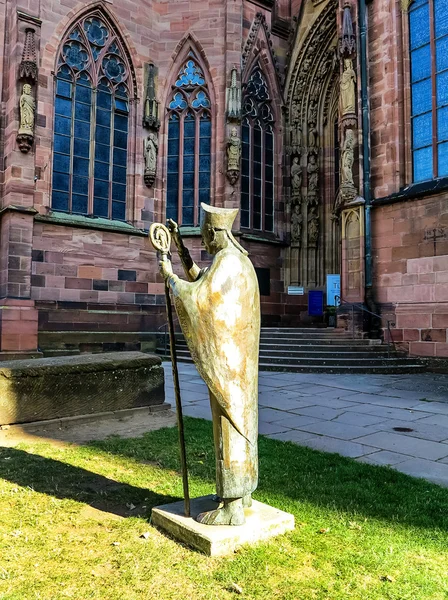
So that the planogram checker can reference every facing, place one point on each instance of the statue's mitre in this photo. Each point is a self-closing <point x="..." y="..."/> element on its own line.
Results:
<point x="218" y="218"/>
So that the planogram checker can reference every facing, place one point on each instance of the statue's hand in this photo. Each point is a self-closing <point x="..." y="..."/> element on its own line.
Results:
<point x="174" y="230"/>
<point x="165" y="266"/>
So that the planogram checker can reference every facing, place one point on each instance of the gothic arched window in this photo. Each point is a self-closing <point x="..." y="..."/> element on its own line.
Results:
<point x="257" y="165"/>
<point x="91" y="122"/>
<point x="189" y="145"/>
<point x="428" y="28"/>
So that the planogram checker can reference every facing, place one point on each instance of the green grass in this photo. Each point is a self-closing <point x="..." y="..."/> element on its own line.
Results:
<point x="362" y="532"/>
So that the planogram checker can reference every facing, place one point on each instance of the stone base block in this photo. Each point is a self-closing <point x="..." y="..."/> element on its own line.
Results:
<point x="262" y="522"/>
<point x="52" y="388"/>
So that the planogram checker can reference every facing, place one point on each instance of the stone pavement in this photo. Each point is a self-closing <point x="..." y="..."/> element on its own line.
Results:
<point x="395" y="420"/>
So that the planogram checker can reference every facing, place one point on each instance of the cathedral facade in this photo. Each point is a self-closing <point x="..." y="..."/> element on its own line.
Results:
<point x="324" y="121"/>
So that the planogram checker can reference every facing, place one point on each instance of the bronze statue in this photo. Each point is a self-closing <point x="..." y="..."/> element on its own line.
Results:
<point x="219" y="312"/>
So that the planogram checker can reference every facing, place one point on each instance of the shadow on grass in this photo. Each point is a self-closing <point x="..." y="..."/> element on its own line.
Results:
<point x="64" y="481"/>
<point x="291" y="475"/>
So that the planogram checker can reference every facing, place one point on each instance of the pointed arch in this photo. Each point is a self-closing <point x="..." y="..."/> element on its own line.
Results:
<point x="94" y="86"/>
<point x="189" y="133"/>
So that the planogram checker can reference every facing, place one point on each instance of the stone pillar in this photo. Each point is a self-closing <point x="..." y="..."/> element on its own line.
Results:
<point x="18" y="315"/>
<point x="352" y="279"/>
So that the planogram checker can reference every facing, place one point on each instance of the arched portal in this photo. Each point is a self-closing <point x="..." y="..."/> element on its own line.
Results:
<point x="313" y="148"/>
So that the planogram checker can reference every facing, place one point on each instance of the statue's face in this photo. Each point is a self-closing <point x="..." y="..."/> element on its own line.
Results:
<point x="208" y="239"/>
<point x="27" y="88"/>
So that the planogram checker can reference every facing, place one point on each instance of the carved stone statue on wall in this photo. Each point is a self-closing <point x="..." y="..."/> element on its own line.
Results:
<point x="348" y="80"/>
<point x="348" y="157"/>
<point x="313" y="231"/>
<point x="313" y="179"/>
<point x="25" y="136"/>
<point x="233" y="156"/>
<point x="150" y="151"/>
<point x="348" y="191"/>
<point x="296" y="180"/>
<point x="296" y="226"/>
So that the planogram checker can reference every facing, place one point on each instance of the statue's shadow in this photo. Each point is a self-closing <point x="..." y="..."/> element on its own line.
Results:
<point x="65" y="481"/>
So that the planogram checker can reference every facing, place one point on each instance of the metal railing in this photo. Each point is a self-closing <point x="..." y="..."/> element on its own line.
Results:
<point x="390" y="340"/>
<point x="166" y="334"/>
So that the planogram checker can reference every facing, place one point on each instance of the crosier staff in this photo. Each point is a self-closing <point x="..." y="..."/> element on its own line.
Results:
<point x="160" y="238"/>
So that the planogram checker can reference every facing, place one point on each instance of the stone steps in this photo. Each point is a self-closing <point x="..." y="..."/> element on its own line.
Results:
<point x="321" y="350"/>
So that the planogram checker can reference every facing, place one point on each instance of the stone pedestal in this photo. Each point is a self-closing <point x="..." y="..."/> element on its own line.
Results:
<point x="262" y="522"/>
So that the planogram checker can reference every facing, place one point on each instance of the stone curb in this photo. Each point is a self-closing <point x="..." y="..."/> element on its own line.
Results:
<point x="159" y="409"/>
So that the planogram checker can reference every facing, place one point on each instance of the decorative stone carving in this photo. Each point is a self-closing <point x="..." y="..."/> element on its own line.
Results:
<point x="28" y="64"/>
<point x="233" y="156"/>
<point x="151" y="108"/>
<point x="150" y="152"/>
<point x="234" y="97"/>
<point x="313" y="180"/>
<point x="25" y="137"/>
<point x="348" y="80"/>
<point x="347" y="40"/>
<point x="313" y="231"/>
<point x="348" y="157"/>
<point x="296" y="226"/>
<point x="296" y="181"/>
<point x="348" y="190"/>
<point x="260" y="23"/>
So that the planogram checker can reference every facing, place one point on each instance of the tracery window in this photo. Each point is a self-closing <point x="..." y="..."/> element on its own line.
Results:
<point x="189" y="145"/>
<point x="257" y="165"/>
<point x="428" y="25"/>
<point x="91" y="122"/>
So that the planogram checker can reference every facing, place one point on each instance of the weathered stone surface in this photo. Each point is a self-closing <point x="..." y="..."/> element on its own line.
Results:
<point x="49" y="388"/>
<point x="262" y="522"/>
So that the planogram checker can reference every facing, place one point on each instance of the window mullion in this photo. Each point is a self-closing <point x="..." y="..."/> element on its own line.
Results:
<point x="251" y="173"/>
<point x="92" y="152"/>
<point x="197" y="120"/>
<point x="180" y="192"/>
<point x="111" y="152"/>
<point x="72" y="147"/>
<point x="432" y="41"/>
<point x="263" y="179"/>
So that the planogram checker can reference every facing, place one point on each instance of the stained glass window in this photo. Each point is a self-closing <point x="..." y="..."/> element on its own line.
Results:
<point x="189" y="145"/>
<point x="428" y="28"/>
<point x="91" y="122"/>
<point x="257" y="161"/>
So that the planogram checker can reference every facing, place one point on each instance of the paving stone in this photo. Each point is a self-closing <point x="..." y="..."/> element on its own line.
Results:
<point x="383" y="457"/>
<point x="298" y="421"/>
<point x="339" y="430"/>
<point x="350" y="449"/>
<point x="441" y="420"/>
<point x="200" y="412"/>
<point x="432" y="407"/>
<point x="383" y="400"/>
<point x="267" y="428"/>
<point x="389" y="413"/>
<point x="425" y="431"/>
<point x="292" y="436"/>
<point x="283" y="403"/>
<point x="406" y="445"/>
<point x="269" y="415"/>
<point x="332" y="402"/>
<point x="436" y="472"/>
<point x="359" y="419"/>
<point x="320" y="412"/>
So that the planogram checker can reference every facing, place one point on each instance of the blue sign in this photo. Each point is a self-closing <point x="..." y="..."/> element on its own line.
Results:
<point x="315" y="303"/>
<point x="333" y="290"/>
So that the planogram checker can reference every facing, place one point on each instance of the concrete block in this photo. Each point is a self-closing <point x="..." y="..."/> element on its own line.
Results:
<point x="262" y="523"/>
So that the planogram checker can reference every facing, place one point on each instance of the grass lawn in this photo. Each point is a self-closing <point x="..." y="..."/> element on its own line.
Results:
<point x="362" y="532"/>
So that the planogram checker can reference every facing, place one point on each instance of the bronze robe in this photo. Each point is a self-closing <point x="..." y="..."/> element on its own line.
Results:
<point x="220" y="317"/>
